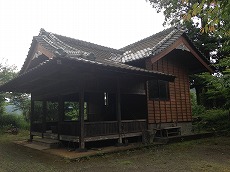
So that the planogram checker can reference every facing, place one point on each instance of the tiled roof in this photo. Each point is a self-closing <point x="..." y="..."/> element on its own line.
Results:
<point x="68" y="49"/>
<point x="151" y="45"/>
<point x="85" y="52"/>
<point x="99" y="51"/>
<point x="80" y="52"/>
<point x="155" y="44"/>
<point x="141" y="49"/>
<point x="74" y="46"/>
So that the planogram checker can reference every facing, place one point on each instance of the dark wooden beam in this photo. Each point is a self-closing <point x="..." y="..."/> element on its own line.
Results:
<point x="118" y="110"/>
<point x="52" y="92"/>
<point x="44" y="114"/>
<point x="49" y="71"/>
<point x="60" y="113"/>
<point x="31" y="117"/>
<point x="146" y="106"/>
<point x="81" y="112"/>
<point x="128" y="86"/>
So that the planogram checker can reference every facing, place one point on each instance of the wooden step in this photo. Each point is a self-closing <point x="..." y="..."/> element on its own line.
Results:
<point x="50" y="143"/>
<point x="50" y="135"/>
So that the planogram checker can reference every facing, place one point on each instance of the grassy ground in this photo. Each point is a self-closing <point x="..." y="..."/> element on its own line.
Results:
<point x="212" y="154"/>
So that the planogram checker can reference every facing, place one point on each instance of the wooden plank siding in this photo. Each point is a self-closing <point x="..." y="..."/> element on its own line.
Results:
<point x="178" y="107"/>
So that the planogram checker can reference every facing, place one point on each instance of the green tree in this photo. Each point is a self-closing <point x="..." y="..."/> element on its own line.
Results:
<point x="207" y="21"/>
<point x="173" y="10"/>
<point x="208" y="24"/>
<point x="7" y="72"/>
<point x="214" y="14"/>
<point x="21" y="101"/>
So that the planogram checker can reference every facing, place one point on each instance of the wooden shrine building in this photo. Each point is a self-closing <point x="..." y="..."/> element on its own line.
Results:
<point x="85" y="92"/>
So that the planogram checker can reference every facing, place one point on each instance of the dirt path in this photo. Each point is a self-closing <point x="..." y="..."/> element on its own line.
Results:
<point x="212" y="154"/>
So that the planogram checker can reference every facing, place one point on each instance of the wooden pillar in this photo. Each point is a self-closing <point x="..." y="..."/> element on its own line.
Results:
<point x="31" y="117"/>
<point x="81" y="113"/>
<point x="147" y="107"/>
<point x="44" y="114"/>
<point x="60" y="114"/>
<point x="118" y="111"/>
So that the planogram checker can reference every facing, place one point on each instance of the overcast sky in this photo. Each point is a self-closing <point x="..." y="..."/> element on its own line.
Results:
<point x="112" y="23"/>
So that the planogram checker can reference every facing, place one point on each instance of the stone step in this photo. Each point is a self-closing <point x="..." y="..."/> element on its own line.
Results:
<point x="50" y="143"/>
<point x="37" y="146"/>
<point x="50" y="135"/>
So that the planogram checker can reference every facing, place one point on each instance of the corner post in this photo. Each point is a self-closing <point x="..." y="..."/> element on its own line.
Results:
<point x="60" y="114"/>
<point x="81" y="114"/>
<point x="44" y="114"/>
<point x="118" y="110"/>
<point x="31" y="117"/>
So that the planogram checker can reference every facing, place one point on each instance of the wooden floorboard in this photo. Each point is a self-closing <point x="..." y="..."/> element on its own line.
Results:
<point x="88" y="139"/>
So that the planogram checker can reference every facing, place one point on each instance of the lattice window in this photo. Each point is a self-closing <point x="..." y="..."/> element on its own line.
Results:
<point x="158" y="89"/>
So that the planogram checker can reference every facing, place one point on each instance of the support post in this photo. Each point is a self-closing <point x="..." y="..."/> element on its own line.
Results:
<point x="81" y="113"/>
<point x="118" y="111"/>
<point x="44" y="114"/>
<point x="60" y="114"/>
<point x="31" y="117"/>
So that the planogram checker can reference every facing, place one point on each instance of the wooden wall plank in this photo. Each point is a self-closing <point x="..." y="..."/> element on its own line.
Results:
<point x="178" y="108"/>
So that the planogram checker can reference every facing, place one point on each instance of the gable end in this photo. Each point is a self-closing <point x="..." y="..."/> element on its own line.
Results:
<point x="183" y="44"/>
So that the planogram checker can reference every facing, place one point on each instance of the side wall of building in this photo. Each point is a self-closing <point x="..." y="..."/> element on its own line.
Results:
<point x="177" y="108"/>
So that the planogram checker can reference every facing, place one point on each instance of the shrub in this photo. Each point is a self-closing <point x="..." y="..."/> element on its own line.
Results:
<point x="22" y="123"/>
<point x="198" y="110"/>
<point x="13" y="120"/>
<point x="6" y="120"/>
<point x="213" y="120"/>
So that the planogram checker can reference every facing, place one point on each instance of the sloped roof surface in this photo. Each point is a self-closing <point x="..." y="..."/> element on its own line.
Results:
<point x="85" y="52"/>
<point x="151" y="45"/>
<point x="99" y="51"/>
<point x="72" y="46"/>
<point x="101" y="57"/>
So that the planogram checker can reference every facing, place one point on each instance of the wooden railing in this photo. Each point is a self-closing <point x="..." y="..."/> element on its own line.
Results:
<point x="101" y="128"/>
<point x="93" y="129"/>
<point x="132" y="126"/>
